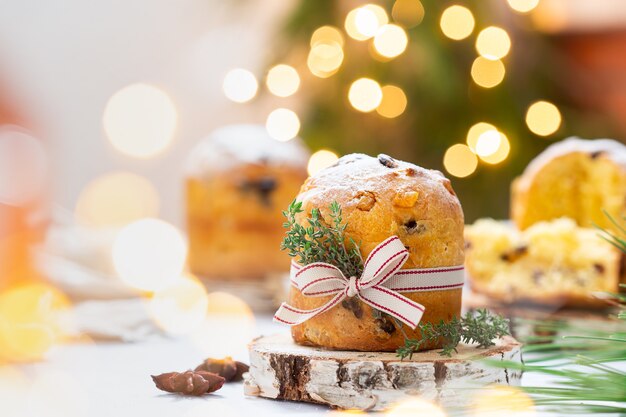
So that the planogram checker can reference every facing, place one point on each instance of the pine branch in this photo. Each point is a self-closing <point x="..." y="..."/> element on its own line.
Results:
<point x="480" y="327"/>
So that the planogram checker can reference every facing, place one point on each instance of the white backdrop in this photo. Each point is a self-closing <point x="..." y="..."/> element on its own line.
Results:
<point x="65" y="58"/>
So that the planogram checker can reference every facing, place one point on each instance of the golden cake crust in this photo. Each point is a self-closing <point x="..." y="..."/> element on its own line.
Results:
<point x="381" y="197"/>
<point x="575" y="178"/>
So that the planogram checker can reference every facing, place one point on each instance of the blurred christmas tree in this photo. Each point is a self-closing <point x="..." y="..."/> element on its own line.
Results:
<point x="468" y="88"/>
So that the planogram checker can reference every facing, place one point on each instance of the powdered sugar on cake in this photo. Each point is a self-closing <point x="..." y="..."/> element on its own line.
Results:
<point x="612" y="149"/>
<point x="234" y="145"/>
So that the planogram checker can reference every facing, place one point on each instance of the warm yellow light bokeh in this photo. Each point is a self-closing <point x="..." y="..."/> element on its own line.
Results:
<point x="393" y="103"/>
<point x="408" y="13"/>
<point x="460" y="161"/>
<point x="363" y="22"/>
<point x="487" y="73"/>
<point x="543" y="118"/>
<point x="282" y="80"/>
<point x="326" y="34"/>
<point x="240" y="85"/>
<point x="365" y="95"/>
<point x="181" y="307"/>
<point x="325" y="58"/>
<point x="30" y="321"/>
<point x="500" y="154"/>
<point x="493" y="43"/>
<point x="140" y="120"/>
<point x="523" y="6"/>
<point x="230" y="320"/>
<point x="475" y="131"/>
<point x="149" y="254"/>
<point x="282" y="124"/>
<point x="390" y="41"/>
<point x="116" y="199"/>
<point x="499" y="400"/>
<point x="415" y="407"/>
<point x="488" y="143"/>
<point x="320" y="160"/>
<point x="457" y="22"/>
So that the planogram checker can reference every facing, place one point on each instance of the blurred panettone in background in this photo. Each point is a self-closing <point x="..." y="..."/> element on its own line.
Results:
<point x="575" y="178"/>
<point x="550" y="254"/>
<point x="554" y="262"/>
<point x="238" y="182"/>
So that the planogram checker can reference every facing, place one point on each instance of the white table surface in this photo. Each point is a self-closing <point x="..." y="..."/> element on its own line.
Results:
<point x="113" y="379"/>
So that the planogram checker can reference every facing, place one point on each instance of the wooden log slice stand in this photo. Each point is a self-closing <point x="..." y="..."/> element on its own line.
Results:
<point x="281" y="369"/>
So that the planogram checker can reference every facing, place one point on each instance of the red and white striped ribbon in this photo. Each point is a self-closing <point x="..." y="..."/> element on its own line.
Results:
<point x="379" y="286"/>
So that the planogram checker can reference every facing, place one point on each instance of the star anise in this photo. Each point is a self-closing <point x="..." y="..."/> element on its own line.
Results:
<point x="227" y="368"/>
<point x="189" y="382"/>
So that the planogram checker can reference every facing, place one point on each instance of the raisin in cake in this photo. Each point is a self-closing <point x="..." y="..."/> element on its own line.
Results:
<point x="381" y="197"/>
<point x="553" y="262"/>
<point x="238" y="181"/>
<point x="575" y="178"/>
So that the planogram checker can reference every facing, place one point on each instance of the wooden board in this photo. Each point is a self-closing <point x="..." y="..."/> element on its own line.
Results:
<point x="280" y="369"/>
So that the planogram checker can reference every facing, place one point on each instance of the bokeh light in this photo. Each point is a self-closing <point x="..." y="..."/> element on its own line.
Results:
<point x="499" y="400"/>
<point x="320" y="160"/>
<point x="476" y="131"/>
<point x="457" y="22"/>
<point x="282" y="124"/>
<point x="325" y="34"/>
<point x="23" y="167"/>
<point x="363" y="22"/>
<point x="487" y="73"/>
<point x="408" y="13"/>
<point x="116" y="199"/>
<point x="229" y="320"/>
<point x="393" y="103"/>
<point x="240" y="85"/>
<point x="488" y="143"/>
<point x="523" y="6"/>
<point x="390" y="41"/>
<point x="140" y="120"/>
<point x="460" y="161"/>
<point x="543" y="118"/>
<point x="181" y="307"/>
<point x="283" y="80"/>
<point x="500" y="154"/>
<point x="325" y="58"/>
<point x="415" y="407"/>
<point x="149" y="254"/>
<point x="493" y="43"/>
<point x="365" y="95"/>
<point x="30" y="321"/>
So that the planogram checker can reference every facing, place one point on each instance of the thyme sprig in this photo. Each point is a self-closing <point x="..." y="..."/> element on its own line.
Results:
<point x="321" y="241"/>
<point x="480" y="327"/>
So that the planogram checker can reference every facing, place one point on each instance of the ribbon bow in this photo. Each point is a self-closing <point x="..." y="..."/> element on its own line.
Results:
<point x="379" y="285"/>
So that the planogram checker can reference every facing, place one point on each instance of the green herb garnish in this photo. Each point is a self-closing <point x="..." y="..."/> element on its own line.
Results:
<point x="479" y="327"/>
<point x="321" y="241"/>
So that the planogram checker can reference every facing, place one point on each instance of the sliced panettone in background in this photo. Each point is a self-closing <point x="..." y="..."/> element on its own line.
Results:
<point x="555" y="262"/>
<point x="574" y="178"/>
